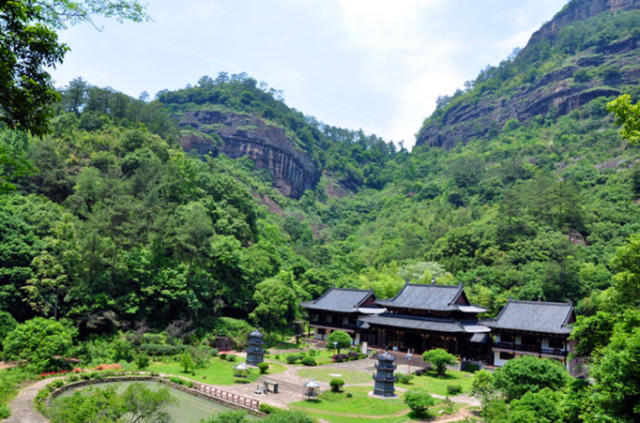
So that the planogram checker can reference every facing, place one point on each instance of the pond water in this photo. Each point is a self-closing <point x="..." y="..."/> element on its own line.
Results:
<point x="187" y="409"/>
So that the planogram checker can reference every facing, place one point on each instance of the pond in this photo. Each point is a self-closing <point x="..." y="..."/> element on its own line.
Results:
<point x="187" y="409"/>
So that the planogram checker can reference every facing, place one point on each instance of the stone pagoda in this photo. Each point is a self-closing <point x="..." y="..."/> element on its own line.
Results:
<point x="255" y="350"/>
<point x="384" y="378"/>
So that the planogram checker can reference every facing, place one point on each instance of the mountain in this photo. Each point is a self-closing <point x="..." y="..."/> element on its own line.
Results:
<point x="588" y="50"/>
<point x="238" y="117"/>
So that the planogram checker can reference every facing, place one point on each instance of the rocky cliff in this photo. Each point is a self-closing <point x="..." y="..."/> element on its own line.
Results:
<point x="557" y="89"/>
<point x="269" y="146"/>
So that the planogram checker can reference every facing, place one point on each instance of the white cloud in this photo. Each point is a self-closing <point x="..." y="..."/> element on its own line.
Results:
<point x="404" y="55"/>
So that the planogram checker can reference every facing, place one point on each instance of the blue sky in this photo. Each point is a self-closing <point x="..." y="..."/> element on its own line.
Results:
<point x="378" y="65"/>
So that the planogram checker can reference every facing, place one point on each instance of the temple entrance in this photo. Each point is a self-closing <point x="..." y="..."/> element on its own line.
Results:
<point x="413" y="341"/>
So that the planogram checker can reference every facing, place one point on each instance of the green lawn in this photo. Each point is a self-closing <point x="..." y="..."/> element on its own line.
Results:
<point x="325" y="375"/>
<point x="360" y="403"/>
<point x="355" y="409"/>
<point x="219" y="372"/>
<point x="438" y="385"/>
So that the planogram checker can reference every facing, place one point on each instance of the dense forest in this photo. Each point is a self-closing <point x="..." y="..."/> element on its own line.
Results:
<point x="108" y="227"/>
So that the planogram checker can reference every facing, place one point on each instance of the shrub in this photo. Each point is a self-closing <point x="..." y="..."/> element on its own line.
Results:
<point x="353" y="355"/>
<point x="339" y="358"/>
<point x="336" y="385"/>
<point x="267" y="408"/>
<point x="349" y="395"/>
<point x="214" y="352"/>
<point x="440" y="359"/>
<point x="72" y="378"/>
<point x="177" y="380"/>
<point x="454" y="389"/>
<point x="309" y="361"/>
<point x="232" y="357"/>
<point x="263" y="367"/>
<point x="4" y="412"/>
<point x="419" y="401"/>
<point x="402" y="378"/>
<point x="470" y="367"/>
<point x="222" y="356"/>
<point x="293" y="358"/>
<point x="161" y="349"/>
<point x="340" y="338"/>
<point x="142" y="361"/>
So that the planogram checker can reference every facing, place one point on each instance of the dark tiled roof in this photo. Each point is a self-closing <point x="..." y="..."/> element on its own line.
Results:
<point x="534" y="316"/>
<point x="339" y="300"/>
<point x="425" y="297"/>
<point x="420" y="323"/>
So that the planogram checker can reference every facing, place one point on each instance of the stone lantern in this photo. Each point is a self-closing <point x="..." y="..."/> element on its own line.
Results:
<point x="255" y="350"/>
<point x="384" y="378"/>
<point x="241" y="370"/>
<point x="311" y="389"/>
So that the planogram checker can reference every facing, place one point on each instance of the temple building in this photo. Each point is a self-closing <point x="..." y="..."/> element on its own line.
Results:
<point x="426" y="316"/>
<point x="532" y="328"/>
<point x="340" y="309"/>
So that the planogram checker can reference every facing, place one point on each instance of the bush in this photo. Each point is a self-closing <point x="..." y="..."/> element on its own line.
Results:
<point x="349" y="395"/>
<point x="470" y="367"/>
<point x="419" y="401"/>
<point x="440" y="359"/>
<point x="263" y="367"/>
<point x="402" y="378"/>
<point x="214" y="352"/>
<point x="293" y="358"/>
<point x="454" y="389"/>
<point x="142" y="361"/>
<point x="353" y="355"/>
<point x="161" y="349"/>
<point x="336" y="385"/>
<point x="222" y="356"/>
<point x="309" y="361"/>
<point x="267" y="408"/>
<point x="339" y="358"/>
<point x="4" y="412"/>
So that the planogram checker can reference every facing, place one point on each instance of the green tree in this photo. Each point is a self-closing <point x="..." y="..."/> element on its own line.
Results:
<point x="540" y="407"/>
<point x="440" y="359"/>
<point x="38" y="342"/>
<point x="277" y="302"/>
<point x="186" y="361"/>
<point x="419" y="401"/>
<point x="628" y="116"/>
<point x="615" y="371"/>
<point x="29" y="45"/>
<point x="528" y="374"/>
<point x="482" y="386"/>
<point x="143" y="361"/>
<point x="339" y="339"/>
<point x="592" y="333"/>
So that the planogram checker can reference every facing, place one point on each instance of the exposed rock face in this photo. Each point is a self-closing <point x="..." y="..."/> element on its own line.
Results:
<point x="267" y="145"/>
<point x="578" y="11"/>
<point x="553" y="91"/>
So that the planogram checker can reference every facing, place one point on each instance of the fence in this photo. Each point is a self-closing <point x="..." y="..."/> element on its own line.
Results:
<point x="229" y="397"/>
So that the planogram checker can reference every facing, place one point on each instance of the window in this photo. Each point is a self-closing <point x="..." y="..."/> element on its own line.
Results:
<point x="556" y="343"/>
<point x="505" y="355"/>
<point x="506" y="337"/>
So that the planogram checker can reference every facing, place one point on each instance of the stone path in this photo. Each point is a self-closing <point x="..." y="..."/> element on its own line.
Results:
<point x="22" y="407"/>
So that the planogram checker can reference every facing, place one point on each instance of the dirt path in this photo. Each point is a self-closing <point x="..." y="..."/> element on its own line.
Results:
<point x="22" y="407"/>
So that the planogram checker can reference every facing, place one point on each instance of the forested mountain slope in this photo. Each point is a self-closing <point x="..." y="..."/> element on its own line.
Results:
<point x="237" y="116"/>
<point x="588" y="50"/>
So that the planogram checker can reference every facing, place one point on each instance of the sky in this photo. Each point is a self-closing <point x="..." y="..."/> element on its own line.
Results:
<point x="375" y="65"/>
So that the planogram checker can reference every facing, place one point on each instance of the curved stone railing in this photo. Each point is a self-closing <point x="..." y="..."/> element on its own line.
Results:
<point x="201" y="390"/>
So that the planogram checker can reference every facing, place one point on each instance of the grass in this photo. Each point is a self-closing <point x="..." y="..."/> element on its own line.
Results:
<point x="330" y="405"/>
<point x="438" y="385"/>
<point x="360" y="403"/>
<point x="325" y="375"/>
<point x="219" y="372"/>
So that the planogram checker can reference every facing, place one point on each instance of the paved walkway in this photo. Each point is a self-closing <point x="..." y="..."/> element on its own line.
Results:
<point x="22" y="407"/>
